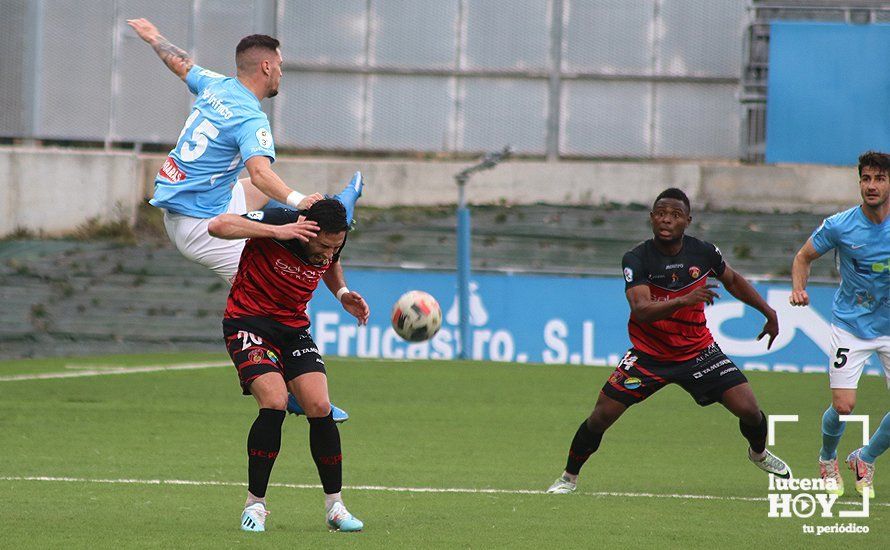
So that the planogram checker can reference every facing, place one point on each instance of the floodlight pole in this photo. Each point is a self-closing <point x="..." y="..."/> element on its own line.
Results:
<point x="488" y="162"/>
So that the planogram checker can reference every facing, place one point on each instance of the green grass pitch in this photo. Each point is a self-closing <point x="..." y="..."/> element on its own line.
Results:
<point x="436" y="425"/>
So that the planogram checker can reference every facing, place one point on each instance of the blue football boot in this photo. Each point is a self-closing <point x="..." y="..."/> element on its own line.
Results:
<point x="338" y="518"/>
<point x="293" y="407"/>
<point x="350" y="194"/>
<point x="254" y="518"/>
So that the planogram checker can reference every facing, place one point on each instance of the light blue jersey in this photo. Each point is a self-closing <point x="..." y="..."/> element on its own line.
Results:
<point x="225" y="128"/>
<point x="862" y="302"/>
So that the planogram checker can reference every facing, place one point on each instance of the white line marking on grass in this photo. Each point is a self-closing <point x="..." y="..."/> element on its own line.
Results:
<point x="112" y="370"/>
<point x="462" y="490"/>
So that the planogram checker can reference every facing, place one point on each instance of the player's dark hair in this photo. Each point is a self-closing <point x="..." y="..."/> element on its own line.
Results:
<point x="259" y="41"/>
<point x="673" y="193"/>
<point x="329" y="214"/>
<point x="874" y="159"/>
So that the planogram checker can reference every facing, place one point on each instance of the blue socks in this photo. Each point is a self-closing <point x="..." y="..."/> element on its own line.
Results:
<point x="878" y="442"/>
<point x="350" y="194"/>
<point x="832" y="430"/>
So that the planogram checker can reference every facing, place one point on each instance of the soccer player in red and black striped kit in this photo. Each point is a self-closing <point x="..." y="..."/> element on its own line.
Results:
<point x="667" y="287"/>
<point x="266" y="332"/>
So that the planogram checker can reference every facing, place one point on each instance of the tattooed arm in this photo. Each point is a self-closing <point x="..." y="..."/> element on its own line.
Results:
<point x="176" y="59"/>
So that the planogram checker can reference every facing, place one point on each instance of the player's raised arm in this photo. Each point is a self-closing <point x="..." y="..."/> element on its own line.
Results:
<point x="233" y="226"/>
<point x="800" y="273"/>
<point x="176" y="59"/>
<point x="266" y="180"/>
<point x="738" y="286"/>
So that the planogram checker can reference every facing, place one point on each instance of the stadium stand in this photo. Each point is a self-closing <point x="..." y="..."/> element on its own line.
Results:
<point x="66" y="297"/>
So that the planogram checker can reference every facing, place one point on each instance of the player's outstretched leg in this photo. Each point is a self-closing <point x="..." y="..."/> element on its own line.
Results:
<point x="586" y="442"/>
<point x="740" y="401"/>
<point x="350" y="195"/>
<point x="862" y="461"/>
<point x="757" y="451"/>
<point x="293" y="407"/>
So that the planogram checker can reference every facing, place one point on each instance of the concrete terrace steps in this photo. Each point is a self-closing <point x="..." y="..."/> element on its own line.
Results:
<point x="70" y="297"/>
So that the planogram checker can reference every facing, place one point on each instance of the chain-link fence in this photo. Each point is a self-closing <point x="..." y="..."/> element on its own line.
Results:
<point x="561" y="78"/>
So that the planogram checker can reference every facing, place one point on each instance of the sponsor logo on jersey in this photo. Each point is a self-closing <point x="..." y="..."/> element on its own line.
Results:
<point x="264" y="138"/>
<point x="171" y="171"/>
<point x="216" y="103"/>
<point x="298" y="272"/>
<point x="694" y="271"/>
<point x="256" y="215"/>
<point x="628" y="274"/>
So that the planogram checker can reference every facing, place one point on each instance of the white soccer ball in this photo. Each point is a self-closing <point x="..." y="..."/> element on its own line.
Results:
<point x="416" y="316"/>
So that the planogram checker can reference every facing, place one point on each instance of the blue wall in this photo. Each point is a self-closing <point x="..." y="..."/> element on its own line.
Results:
<point x="547" y="319"/>
<point x="829" y="92"/>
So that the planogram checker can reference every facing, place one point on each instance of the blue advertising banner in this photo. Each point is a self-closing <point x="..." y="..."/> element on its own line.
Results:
<point x="827" y="92"/>
<point x="549" y="319"/>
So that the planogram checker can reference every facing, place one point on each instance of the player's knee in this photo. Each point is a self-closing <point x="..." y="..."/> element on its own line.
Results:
<point x="317" y="408"/>
<point x="844" y="407"/>
<point x="600" y="420"/>
<point x="276" y="402"/>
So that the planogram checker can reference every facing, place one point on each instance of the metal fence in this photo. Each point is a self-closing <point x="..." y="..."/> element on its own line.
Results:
<point x="561" y="78"/>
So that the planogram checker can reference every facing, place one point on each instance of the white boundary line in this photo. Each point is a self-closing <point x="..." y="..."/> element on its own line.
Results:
<point x="112" y="370"/>
<point x="461" y="490"/>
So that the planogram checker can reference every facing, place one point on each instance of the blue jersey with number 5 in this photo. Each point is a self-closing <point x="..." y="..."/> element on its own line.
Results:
<point x="862" y="302"/>
<point x="225" y="128"/>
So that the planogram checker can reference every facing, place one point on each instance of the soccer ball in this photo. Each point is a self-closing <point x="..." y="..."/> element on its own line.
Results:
<point x="416" y="316"/>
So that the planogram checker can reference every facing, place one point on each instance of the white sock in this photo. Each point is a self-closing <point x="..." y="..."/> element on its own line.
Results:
<point x="251" y="499"/>
<point x="329" y="500"/>
<point x="571" y="477"/>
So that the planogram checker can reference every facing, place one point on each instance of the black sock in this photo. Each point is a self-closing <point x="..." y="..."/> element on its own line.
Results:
<point x="324" y="442"/>
<point x="756" y="435"/>
<point x="263" y="444"/>
<point x="584" y="444"/>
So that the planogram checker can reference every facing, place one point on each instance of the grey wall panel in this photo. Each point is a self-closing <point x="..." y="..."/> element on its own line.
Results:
<point x="609" y="36"/>
<point x="696" y="121"/>
<point x="323" y="32"/>
<point x="505" y="34"/>
<point x="74" y="69"/>
<point x="605" y="119"/>
<point x="13" y="71"/>
<point x="701" y="37"/>
<point x="500" y="111"/>
<point x="410" y="113"/>
<point x="318" y="111"/>
<point x="414" y="33"/>
<point x="152" y="103"/>
<point x="219" y="25"/>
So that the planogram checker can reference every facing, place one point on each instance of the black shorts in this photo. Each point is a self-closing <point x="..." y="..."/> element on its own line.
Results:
<point x="258" y="346"/>
<point x="705" y="377"/>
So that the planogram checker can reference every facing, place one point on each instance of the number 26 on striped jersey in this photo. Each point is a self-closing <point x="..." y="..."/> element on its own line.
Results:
<point x="249" y="339"/>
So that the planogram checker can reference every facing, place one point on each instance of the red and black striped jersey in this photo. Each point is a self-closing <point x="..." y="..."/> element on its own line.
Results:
<point x="275" y="280"/>
<point x="685" y="333"/>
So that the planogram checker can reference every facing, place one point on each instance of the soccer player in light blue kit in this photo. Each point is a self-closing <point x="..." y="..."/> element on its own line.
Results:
<point x="225" y="132"/>
<point x="860" y="321"/>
